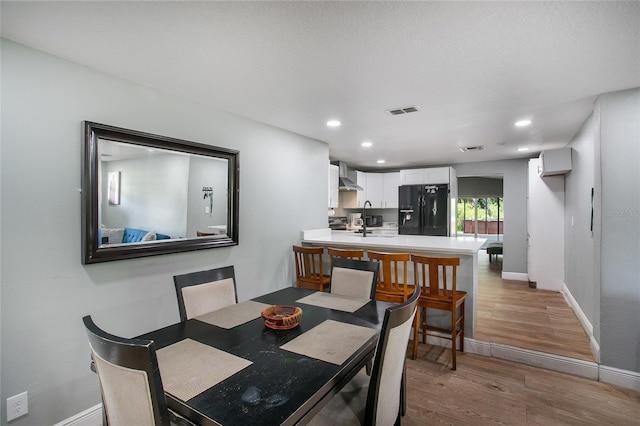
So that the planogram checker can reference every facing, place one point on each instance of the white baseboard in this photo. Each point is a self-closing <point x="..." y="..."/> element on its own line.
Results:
<point x="559" y="363"/>
<point x="584" y="321"/>
<point x="622" y="378"/>
<point x="515" y="276"/>
<point x="89" y="417"/>
<point x="577" y="367"/>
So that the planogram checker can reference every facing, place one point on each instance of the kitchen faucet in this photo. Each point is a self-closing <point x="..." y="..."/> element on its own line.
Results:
<point x="364" y="218"/>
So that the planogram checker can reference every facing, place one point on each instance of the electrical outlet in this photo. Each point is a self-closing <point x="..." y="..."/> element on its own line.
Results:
<point x="17" y="406"/>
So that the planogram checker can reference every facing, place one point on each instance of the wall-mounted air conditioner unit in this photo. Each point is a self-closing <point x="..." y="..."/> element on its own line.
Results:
<point x="555" y="162"/>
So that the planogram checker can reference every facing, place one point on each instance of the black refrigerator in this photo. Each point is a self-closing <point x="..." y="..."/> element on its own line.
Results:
<point x="424" y="210"/>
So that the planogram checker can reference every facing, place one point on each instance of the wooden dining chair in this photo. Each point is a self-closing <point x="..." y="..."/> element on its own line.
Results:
<point x="129" y="378"/>
<point x="345" y="253"/>
<point x="377" y="400"/>
<point x="309" y="269"/>
<point x="438" y="292"/>
<point x="392" y="278"/>
<point x="354" y="278"/>
<point x="205" y="291"/>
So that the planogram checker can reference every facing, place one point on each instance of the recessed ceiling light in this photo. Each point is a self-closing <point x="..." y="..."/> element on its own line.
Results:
<point x="380" y="161"/>
<point x="333" y="123"/>
<point x="366" y="144"/>
<point x="522" y="149"/>
<point x="522" y="123"/>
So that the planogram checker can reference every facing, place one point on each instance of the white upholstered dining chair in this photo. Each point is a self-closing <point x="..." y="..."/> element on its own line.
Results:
<point x="377" y="400"/>
<point x="129" y="378"/>
<point x="205" y="291"/>
<point x="354" y="278"/>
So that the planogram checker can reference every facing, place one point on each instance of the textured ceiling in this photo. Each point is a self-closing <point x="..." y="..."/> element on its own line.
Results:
<point x="472" y="68"/>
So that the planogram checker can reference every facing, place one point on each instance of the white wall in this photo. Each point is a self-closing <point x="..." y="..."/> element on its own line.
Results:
<point x="620" y="240"/>
<point x="213" y="174"/>
<point x="45" y="288"/>
<point x="582" y="251"/>
<point x="149" y="195"/>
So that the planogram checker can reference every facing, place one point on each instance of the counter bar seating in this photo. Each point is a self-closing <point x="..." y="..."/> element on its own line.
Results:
<point x="346" y="253"/>
<point x="377" y="400"/>
<point x="309" y="268"/>
<point x="205" y="291"/>
<point x="431" y="274"/>
<point x="129" y="377"/>
<point x="392" y="278"/>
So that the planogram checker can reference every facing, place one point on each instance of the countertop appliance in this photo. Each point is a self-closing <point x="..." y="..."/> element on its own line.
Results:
<point x="338" y="223"/>
<point x="424" y="210"/>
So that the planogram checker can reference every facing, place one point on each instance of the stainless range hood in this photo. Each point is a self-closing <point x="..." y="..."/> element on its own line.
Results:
<point x="344" y="183"/>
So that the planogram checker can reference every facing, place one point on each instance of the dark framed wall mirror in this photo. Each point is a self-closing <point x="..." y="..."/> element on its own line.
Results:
<point x="145" y="194"/>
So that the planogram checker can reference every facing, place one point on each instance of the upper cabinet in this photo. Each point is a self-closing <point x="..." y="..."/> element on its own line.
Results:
<point x="381" y="189"/>
<point x="433" y="175"/>
<point x="390" y="190"/>
<point x="375" y="190"/>
<point x="334" y="172"/>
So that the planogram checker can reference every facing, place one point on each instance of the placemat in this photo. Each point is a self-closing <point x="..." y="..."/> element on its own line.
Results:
<point x="189" y="368"/>
<point x="234" y="315"/>
<point x="330" y="341"/>
<point x="334" y="301"/>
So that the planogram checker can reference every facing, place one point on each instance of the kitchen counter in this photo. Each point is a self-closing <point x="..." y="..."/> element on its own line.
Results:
<point x="390" y="240"/>
<point x="466" y="248"/>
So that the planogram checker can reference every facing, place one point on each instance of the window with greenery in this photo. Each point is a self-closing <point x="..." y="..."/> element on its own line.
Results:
<point x="490" y="218"/>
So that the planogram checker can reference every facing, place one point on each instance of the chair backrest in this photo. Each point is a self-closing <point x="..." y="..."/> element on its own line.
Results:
<point x="392" y="279"/>
<point x="432" y="274"/>
<point x="346" y="253"/>
<point x="129" y="377"/>
<point x="308" y="264"/>
<point x="205" y="291"/>
<point x="385" y="386"/>
<point x="354" y="278"/>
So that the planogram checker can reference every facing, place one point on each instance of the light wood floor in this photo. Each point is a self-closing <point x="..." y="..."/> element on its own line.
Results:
<point x="512" y="313"/>
<point x="486" y="390"/>
<point x="490" y="391"/>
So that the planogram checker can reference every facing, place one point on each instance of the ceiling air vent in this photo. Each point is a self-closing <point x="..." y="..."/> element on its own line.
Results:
<point x="472" y="148"/>
<point x="403" y="110"/>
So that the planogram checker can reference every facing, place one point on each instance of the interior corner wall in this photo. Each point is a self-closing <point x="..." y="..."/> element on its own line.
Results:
<point x="46" y="290"/>
<point x="582" y="253"/>
<point x="620" y="234"/>
<point x="514" y="174"/>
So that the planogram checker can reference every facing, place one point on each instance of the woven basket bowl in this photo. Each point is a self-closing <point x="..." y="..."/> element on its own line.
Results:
<point x="281" y="317"/>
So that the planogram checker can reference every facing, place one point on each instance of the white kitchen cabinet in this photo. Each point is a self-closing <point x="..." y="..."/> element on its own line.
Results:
<point x="437" y="175"/>
<point x="361" y="196"/>
<point x="433" y="175"/>
<point x="411" y="177"/>
<point x="390" y="190"/>
<point x="375" y="189"/>
<point x="334" y="172"/>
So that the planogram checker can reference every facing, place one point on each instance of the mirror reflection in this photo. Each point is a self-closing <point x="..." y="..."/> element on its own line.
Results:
<point x="150" y="194"/>
<point x="145" y="194"/>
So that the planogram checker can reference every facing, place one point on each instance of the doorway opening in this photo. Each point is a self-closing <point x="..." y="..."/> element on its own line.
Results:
<point x="481" y="217"/>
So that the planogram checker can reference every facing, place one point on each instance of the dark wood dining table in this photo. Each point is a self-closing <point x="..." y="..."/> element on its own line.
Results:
<point x="279" y="386"/>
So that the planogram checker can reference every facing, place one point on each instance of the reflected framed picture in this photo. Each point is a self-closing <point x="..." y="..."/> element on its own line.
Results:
<point x="114" y="188"/>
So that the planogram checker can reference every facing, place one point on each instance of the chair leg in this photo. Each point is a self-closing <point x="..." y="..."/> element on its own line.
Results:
<point x="462" y="326"/>
<point x="403" y="391"/>
<point x="453" y="338"/>
<point x="423" y="326"/>
<point x="416" y="322"/>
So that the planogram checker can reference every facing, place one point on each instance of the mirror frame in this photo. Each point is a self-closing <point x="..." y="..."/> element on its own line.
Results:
<point x="91" y="252"/>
